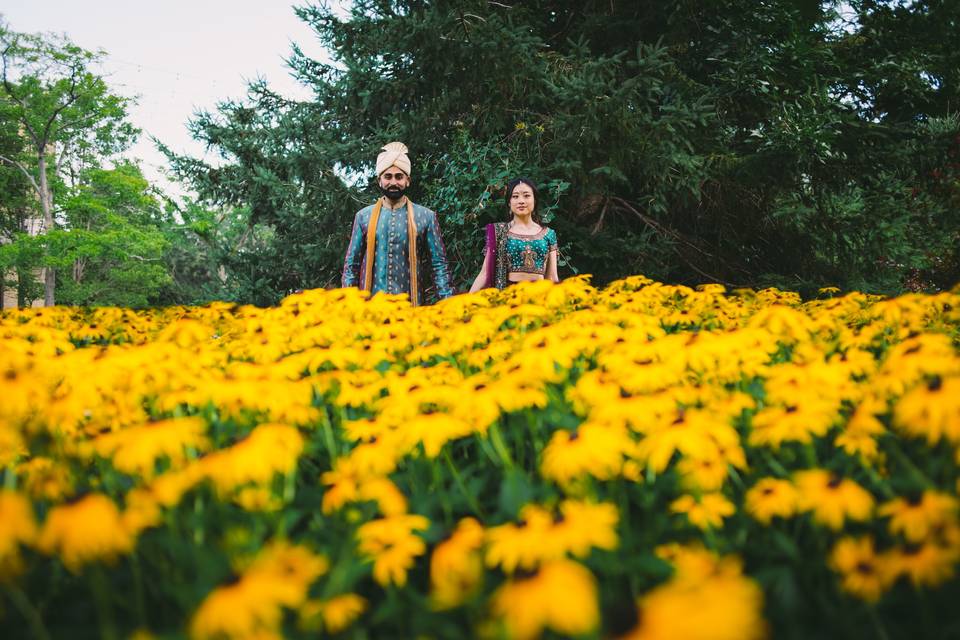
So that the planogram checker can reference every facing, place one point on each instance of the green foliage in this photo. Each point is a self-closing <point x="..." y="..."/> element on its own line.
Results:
<point x="109" y="249"/>
<point x="65" y="118"/>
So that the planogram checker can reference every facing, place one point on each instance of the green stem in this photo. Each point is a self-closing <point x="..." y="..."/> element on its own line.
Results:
<point x="198" y="526"/>
<point x="138" y="589"/>
<point x="878" y="481"/>
<point x="9" y="479"/>
<point x="877" y="623"/>
<point x="912" y="469"/>
<point x="776" y="466"/>
<point x="471" y="500"/>
<point x="101" y="596"/>
<point x="329" y="439"/>
<point x="497" y="441"/>
<point x="810" y="455"/>
<point x="28" y="611"/>
<point x="437" y="486"/>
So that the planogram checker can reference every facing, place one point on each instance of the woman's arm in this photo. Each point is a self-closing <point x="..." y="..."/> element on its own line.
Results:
<point x="481" y="278"/>
<point x="552" y="266"/>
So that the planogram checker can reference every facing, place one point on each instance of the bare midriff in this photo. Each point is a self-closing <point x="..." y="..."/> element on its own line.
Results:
<point x="519" y="276"/>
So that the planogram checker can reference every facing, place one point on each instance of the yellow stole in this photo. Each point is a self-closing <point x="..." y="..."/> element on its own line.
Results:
<point x="412" y="249"/>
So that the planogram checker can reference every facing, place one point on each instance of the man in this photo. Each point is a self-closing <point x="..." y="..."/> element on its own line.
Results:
<point x="392" y="238"/>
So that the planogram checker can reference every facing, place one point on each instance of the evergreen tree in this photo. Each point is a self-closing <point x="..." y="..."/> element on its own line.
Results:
<point x="691" y="141"/>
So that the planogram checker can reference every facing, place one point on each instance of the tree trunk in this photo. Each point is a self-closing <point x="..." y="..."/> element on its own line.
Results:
<point x="46" y="203"/>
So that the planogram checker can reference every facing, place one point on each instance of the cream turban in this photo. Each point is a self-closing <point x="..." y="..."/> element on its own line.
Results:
<point x="394" y="153"/>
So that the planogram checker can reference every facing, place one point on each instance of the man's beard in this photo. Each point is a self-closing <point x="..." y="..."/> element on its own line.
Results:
<point x="393" y="192"/>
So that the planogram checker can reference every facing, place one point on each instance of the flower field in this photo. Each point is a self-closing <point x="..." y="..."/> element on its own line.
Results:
<point x="640" y="461"/>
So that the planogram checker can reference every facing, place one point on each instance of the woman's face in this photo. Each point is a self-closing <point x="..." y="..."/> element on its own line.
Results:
<point x="522" y="201"/>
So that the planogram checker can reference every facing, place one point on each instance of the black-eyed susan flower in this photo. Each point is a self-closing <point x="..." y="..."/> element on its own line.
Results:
<point x="268" y="450"/>
<point x="252" y="604"/>
<point x="800" y="421"/>
<point x="931" y="410"/>
<point x="46" y="478"/>
<point x="523" y="544"/>
<point x="864" y="573"/>
<point x="332" y="615"/>
<point x="770" y="498"/>
<point x="88" y="530"/>
<point x="916" y="516"/>
<point x="561" y="596"/>
<point x="581" y="526"/>
<point x="859" y="435"/>
<point x="705" y="511"/>
<point x="393" y="545"/>
<point x="591" y="449"/>
<point x="136" y="450"/>
<point x="719" y="605"/>
<point x="456" y="566"/>
<point x="693" y="432"/>
<point x="926" y="565"/>
<point x="831" y="498"/>
<point x="17" y="528"/>
<point x="434" y="430"/>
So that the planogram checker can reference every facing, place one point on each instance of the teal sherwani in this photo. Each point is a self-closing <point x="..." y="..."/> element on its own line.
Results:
<point x="391" y="265"/>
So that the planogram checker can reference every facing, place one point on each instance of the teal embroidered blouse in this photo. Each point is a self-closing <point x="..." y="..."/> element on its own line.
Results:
<point x="508" y="252"/>
<point x="528" y="253"/>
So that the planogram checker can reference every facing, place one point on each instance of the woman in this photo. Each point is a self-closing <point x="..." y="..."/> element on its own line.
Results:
<point x="520" y="250"/>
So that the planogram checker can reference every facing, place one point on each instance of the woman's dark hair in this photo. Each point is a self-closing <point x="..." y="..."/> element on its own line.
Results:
<point x="535" y="215"/>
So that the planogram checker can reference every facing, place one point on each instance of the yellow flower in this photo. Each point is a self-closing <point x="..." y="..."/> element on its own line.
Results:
<point x="86" y="531"/>
<point x="136" y="450"/>
<point x="523" y="544"/>
<point x="720" y="606"/>
<point x="931" y="410"/>
<point x="770" y="498"/>
<point x="865" y="574"/>
<point x="333" y="615"/>
<point x="269" y="449"/>
<point x="434" y="430"/>
<point x="345" y="485"/>
<point x="141" y="511"/>
<point x="859" y="435"/>
<point x="703" y="474"/>
<point x="692" y="432"/>
<point x="917" y="516"/>
<point x="456" y="566"/>
<point x="581" y="526"/>
<point x="593" y="449"/>
<point x="798" y="422"/>
<point x="378" y="456"/>
<point x="12" y="445"/>
<point x="252" y="604"/>
<point x="17" y="528"/>
<point x="706" y="512"/>
<point x="831" y="498"/>
<point x="694" y="563"/>
<point x="541" y="536"/>
<point x="46" y="478"/>
<point x="560" y="596"/>
<point x="928" y="565"/>
<point x="393" y="545"/>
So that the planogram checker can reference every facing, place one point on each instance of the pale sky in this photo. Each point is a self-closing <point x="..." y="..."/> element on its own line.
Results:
<point x="176" y="56"/>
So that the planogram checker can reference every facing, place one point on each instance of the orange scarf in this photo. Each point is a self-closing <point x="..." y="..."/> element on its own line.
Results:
<point x="412" y="249"/>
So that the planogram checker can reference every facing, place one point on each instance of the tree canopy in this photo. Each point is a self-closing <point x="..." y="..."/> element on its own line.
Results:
<point x="805" y="144"/>
<point x="63" y="114"/>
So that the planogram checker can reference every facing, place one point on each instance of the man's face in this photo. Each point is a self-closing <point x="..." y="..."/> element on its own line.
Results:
<point x="393" y="182"/>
